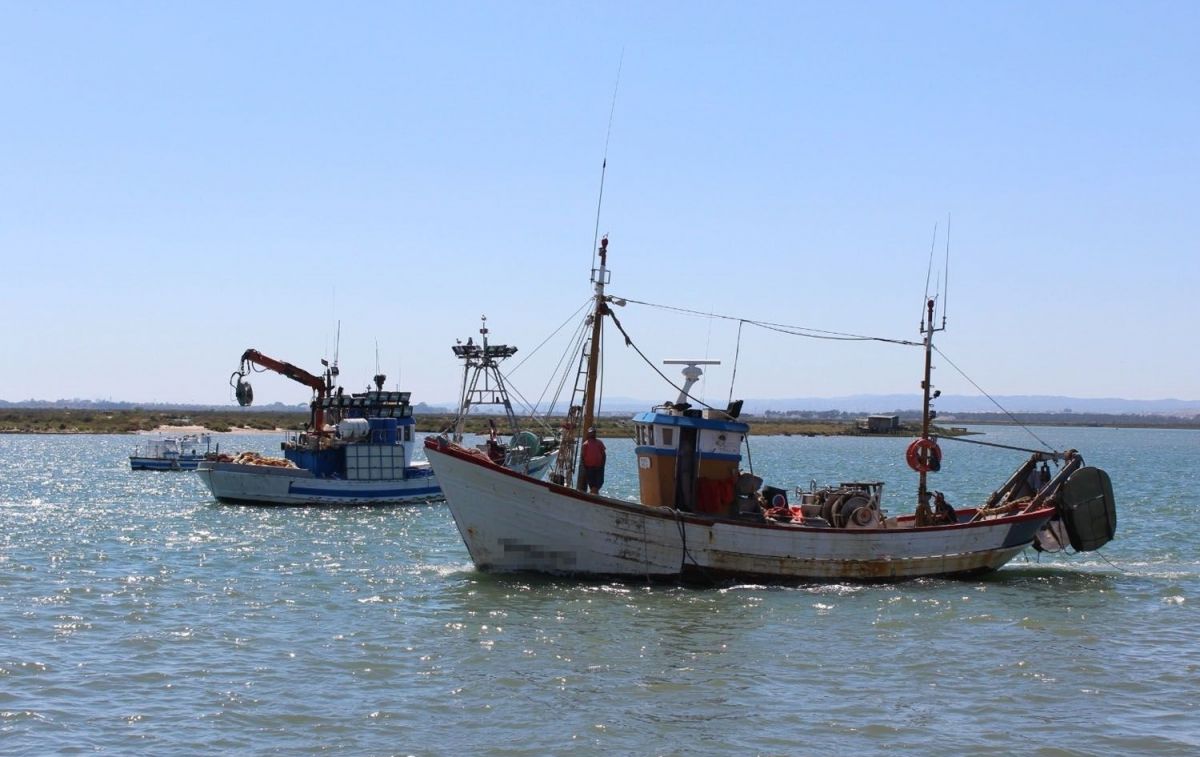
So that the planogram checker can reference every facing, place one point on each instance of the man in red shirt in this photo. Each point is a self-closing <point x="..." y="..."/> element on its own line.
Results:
<point x="594" y="458"/>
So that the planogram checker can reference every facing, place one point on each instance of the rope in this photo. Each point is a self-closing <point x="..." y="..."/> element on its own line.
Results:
<point x="993" y="400"/>
<point x="1114" y="566"/>
<point x="629" y="343"/>
<point x="1001" y="446"/>
<point x="687" y="553"/>
<point x="736" y="352"/>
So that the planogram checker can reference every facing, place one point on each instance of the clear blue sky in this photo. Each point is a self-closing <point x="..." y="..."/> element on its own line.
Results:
<point x="181" y="181"/>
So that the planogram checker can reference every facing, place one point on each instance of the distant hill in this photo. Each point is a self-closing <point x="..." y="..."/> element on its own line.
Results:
<point x="947" y="403"/>
<point x="274" y="407"/>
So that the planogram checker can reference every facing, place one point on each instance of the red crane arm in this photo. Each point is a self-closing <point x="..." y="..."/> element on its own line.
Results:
<point x="293" y="372"/>
<point x="320" y="384"/>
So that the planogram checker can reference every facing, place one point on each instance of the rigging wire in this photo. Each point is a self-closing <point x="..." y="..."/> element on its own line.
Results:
<point x="600" y="393"/>
<point x="783" y="328"/>
<point x="629" y="343"/>
<point x="532" y="410"/>
<point x="574" y="348"/>
<point x="707" y="345"/>
<point x="563" y="372"/>
<point x="964" y="440"/>
<point x="992" y="399"/>
<point x="554" y="333"/>
<point x="736" y="351"/>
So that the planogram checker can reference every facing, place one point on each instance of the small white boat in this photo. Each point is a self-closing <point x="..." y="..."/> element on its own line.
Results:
<point x="171" y="453"/>
<point x="483" y="384"/>
<point x="358" y="450"/>
<point x="700" y="517"/>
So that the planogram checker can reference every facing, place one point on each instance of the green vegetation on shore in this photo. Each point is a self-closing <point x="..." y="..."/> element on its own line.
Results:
<point x="61" y="421"/>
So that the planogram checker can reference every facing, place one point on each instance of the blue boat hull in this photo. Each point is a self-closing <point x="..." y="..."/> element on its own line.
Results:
<point x="186" y="462"/>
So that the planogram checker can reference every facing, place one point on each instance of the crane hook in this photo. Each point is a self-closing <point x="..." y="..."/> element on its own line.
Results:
<point x="241" y="389"/>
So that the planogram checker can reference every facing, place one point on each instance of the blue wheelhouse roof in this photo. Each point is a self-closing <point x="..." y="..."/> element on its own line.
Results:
<point x="684" y="421"/>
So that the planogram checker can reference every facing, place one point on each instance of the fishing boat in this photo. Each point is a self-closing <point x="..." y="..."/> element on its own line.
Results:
<point x="524" y="451"/>
<point x="357" y="449"/>
<point x="700" y="517"/>
<point x="171" y="453"/>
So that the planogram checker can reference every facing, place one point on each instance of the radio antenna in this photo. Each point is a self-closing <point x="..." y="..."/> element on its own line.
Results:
<point x="928" y="274"/>
<point x="337" y="345"/>
<point x="604" y="164"/>
<point x="946" y="277"/>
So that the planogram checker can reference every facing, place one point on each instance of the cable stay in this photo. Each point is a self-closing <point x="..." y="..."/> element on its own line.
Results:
<point x="804" y="331"/>
<point x="642" y="355"/>
<point x="1050" y="454"/>
<point x="554" y="333"/>
<point x="993" y="400"/>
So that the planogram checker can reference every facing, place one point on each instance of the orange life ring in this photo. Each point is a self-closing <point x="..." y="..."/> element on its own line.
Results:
<point x="924" y="455"/>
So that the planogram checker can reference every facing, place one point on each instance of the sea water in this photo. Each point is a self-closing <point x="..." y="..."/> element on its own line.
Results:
<point x="138" y="615"/>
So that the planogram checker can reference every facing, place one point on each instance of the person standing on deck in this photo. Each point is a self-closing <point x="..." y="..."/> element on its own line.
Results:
<point x="594" y="458"/>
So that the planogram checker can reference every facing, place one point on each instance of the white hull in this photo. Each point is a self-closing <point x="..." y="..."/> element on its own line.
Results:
<point x="513" y="523"/>
<point x="268" y="485"/>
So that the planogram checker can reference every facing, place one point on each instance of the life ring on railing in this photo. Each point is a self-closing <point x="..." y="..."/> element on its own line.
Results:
<point x="924" y="455"/>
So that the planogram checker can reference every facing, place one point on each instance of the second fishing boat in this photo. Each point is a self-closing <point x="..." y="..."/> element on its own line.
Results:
<point x="357" y="449"/>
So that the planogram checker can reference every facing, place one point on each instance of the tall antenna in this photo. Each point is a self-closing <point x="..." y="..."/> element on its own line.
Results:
<point x="946" y="283"/>
<point x="928" y="274"/>
<point x="333" y="314"/>
<point x="380" y="378"/>
<point x="337" y="347"/>
<point x="604" y="165"/>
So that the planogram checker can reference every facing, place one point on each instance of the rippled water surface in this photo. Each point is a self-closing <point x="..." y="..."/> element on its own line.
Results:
<point x="136" y="614"/>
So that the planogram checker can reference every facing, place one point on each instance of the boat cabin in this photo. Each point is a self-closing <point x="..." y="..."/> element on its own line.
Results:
<point x="372" y="439"/>
<point x="688" y="459"/>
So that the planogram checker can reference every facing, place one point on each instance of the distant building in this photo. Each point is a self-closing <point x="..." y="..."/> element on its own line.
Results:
<point x="879" y="424"/>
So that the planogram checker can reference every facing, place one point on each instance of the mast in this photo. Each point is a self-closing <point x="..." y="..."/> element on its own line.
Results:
<point x="922" y="489"/>
<point x="924" y="513"/>
<point x="483" y="361"/>
<point x="599" y="279"/>
<point x="463" y="401"/>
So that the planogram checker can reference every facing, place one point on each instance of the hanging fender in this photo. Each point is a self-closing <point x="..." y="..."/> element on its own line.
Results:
<point x="924" y="455"/>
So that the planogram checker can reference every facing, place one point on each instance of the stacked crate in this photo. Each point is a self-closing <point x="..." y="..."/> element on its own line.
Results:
<point x="374" y="462"/>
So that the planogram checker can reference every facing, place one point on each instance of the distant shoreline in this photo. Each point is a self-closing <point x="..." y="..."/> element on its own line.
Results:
<point x="57" y="421"/>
